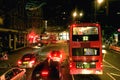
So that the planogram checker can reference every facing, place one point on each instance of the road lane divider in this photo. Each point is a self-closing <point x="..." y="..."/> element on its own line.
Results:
<point x="115" y="74"/>
<point x="111" y="65"/>
<point x="72" y="77"/>
<point x="111" y="76"/>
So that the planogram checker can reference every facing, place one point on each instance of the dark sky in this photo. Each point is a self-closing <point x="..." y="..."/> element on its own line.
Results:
<point x="68" y="5"/>
<point x="56" y="7"/>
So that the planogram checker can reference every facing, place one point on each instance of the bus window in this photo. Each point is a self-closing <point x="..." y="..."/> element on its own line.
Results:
<point x="90" y="51"/>
<point x="85" y="30"/>
<point x="85" y="51"/>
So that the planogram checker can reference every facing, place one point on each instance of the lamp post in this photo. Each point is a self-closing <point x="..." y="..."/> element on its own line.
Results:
<point x="74" y="15"/>
<point x="107" y="8"/>
<point x="96" y="3"/>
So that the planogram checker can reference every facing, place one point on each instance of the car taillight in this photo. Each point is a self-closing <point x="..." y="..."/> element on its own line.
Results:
<point x="32" y="61"/>
<point x="55" y="55"/>
<point x="44" y="73"/>
<point x="60" y="55"/>
<point x="49" y="56"/>
<point x="19" y="62"/>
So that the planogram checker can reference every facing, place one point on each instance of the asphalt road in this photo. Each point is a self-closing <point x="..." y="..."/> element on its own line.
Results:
<point x="111" y="66"/>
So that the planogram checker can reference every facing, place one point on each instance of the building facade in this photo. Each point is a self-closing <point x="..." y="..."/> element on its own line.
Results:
<point x="13" y="24"/>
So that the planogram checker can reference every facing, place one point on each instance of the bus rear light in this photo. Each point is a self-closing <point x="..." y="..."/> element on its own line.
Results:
<point x="70" y="59"/>
<point x="71" y="65"/>
<point x="74" y="25"/>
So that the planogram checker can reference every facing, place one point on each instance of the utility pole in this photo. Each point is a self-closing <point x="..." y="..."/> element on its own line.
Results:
<point x="107" y="8"/>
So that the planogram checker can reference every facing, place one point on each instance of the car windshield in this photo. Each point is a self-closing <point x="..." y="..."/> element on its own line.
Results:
<point x="27" y="57"/>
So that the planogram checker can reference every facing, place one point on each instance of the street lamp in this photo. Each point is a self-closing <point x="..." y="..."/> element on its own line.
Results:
<point x="81" y="14"/>
<point x="77" y="15"/>
<point x="96" y="3"/>
<point x="74" y="14"/>
<point x="99" y="1"/>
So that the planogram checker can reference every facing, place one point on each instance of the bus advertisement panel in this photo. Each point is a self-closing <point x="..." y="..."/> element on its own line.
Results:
<point x="85" y="49"/>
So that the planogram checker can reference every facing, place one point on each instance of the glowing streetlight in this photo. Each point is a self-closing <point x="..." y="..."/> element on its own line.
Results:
<point x="81" y="14"/>
<point x="77" y="15"/>
<point x="99" y="1"/>
<point x="74" y="14"/>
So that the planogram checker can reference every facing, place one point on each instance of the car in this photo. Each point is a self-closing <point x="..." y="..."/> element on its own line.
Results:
<point x="28" y="60"/>
<point x="46" y="71"/>
<point x="55" y="55"/>
<point x="13" y="73"/>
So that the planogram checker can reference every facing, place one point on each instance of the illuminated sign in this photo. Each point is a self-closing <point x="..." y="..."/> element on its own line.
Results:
<point x="119" y="30"/>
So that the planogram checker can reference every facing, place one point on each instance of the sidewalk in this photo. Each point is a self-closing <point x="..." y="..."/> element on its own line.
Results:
<point x="14" y="56"/>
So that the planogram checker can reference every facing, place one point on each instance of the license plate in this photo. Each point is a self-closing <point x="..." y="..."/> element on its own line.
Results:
<point x="25" y="62"/>
<point x="85" y="65"/>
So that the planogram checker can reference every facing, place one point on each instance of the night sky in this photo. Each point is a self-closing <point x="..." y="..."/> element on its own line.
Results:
<point x="57" y="7"/>
<point x="61" y="10"/>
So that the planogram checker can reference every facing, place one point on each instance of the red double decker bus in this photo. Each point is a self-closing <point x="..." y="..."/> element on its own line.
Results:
<point x="85" y="49"/>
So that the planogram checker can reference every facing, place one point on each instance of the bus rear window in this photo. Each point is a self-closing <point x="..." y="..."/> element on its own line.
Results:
<point x="85" y="34"/>
<point x="85" y="51"/>
<point x="85" y="30"/>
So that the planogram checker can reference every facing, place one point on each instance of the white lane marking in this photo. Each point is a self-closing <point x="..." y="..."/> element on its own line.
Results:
<point x="108" y="66"/>
<point x="111" y="65"/>
<point x="73" y="77"/>
<point x="104" y="55"/>
<point x="111" y="76"/>
<point x="115" y="74"/>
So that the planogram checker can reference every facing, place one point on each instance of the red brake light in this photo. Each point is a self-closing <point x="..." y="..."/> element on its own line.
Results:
<point x="32" y="62"/>
<point x="49" y="56"/>
<point x="71" y="65"/>
<point x="55" y="55"/>
<point x="74" y="25"/>
<point x="19" y="62"/>
<point x="60" y="55"/>
<point x="44" y="73"/>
